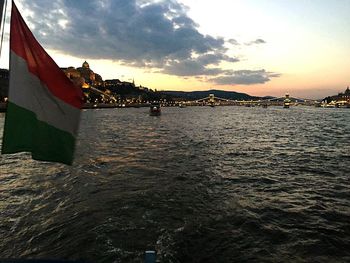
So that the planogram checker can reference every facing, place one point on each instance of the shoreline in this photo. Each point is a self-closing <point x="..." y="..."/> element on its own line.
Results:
<point x="92" y="106"/>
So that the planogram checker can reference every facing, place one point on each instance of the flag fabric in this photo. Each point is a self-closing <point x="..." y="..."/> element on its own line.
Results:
<point x="43" y="108"/>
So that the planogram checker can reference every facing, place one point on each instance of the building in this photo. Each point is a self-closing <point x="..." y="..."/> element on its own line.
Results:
<point x="97" y="90"/>
<point x="345" y="96"/>
<point x="87" y="79"/>
<point x="341" y="97"/>
<point x="90" y="78"/>
<point x="113" y="83"/>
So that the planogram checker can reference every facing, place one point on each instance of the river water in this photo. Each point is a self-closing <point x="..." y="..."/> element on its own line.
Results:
<point x="196" y="184"/>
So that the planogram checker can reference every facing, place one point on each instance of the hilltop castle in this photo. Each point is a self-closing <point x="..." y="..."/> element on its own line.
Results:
<point x="90" y="78"/>
<point x="341" y="97"/>
<point x="346" y="95"/>
<point x="95" y="88"/>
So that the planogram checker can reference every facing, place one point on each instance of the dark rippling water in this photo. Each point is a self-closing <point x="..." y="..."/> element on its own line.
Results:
<point x="200" y="184"/>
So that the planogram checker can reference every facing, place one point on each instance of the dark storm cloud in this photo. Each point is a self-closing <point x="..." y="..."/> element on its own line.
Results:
<point x="244" y="77"/>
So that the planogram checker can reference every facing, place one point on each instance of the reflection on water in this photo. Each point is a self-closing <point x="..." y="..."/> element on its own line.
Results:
<point x="198" y="184"/>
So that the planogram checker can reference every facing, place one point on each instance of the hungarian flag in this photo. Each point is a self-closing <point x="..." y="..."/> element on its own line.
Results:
<point x="43" y="108"/>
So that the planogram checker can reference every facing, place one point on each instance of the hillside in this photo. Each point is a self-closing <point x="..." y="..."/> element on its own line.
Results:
<point x="195" y="95"/>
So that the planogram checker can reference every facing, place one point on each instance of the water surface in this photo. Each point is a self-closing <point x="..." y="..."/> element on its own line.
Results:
<point x="197" y="184"/>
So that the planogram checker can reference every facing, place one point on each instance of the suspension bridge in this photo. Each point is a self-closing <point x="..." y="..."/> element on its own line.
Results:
<point x="212" y="100"/>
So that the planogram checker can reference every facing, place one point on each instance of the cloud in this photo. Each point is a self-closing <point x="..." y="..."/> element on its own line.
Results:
<point x="233" y="41"/>
<point x="244" y="77"/>
<point x="256" y="42"/>
<point x="215" y="59"/>
<point x="190" y="68"/>
<point x="154" y="34"/>
<point x="200" y="65"/>
<point x="144" y="33"/>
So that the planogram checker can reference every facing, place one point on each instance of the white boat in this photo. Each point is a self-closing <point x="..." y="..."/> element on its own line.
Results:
<point x="286" y="102"/>
<point x="154" y="109"/>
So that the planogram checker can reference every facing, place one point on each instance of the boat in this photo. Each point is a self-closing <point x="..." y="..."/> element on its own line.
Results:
<point x="211" y="101"/>
<point x="154" y="109"/>
<point x="286" y="102"/>
<point x="182" y="105"/>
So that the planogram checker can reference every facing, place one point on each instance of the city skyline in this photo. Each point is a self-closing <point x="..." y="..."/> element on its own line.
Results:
<point x="256" y="47"/>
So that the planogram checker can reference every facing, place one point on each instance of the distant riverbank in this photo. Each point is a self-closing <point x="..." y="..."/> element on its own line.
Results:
<point x="189" y="103"/>
<point x="95" y="105"/>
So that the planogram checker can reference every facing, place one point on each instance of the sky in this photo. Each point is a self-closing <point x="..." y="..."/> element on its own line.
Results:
<point x="259" y="47"/>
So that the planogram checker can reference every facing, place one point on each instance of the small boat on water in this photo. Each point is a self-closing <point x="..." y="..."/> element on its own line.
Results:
<point x="286" y="102"/>
<point x="182" y="105"/>
<point x="154" y="109"/>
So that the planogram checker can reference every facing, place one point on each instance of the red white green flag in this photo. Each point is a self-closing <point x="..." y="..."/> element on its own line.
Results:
<point x="43" y="108"/>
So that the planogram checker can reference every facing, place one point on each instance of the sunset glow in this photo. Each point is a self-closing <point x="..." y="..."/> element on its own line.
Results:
<point x="256" y="47"/>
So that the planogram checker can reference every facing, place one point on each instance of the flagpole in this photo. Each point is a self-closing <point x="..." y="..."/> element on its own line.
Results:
<point x="3" y="4"/>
